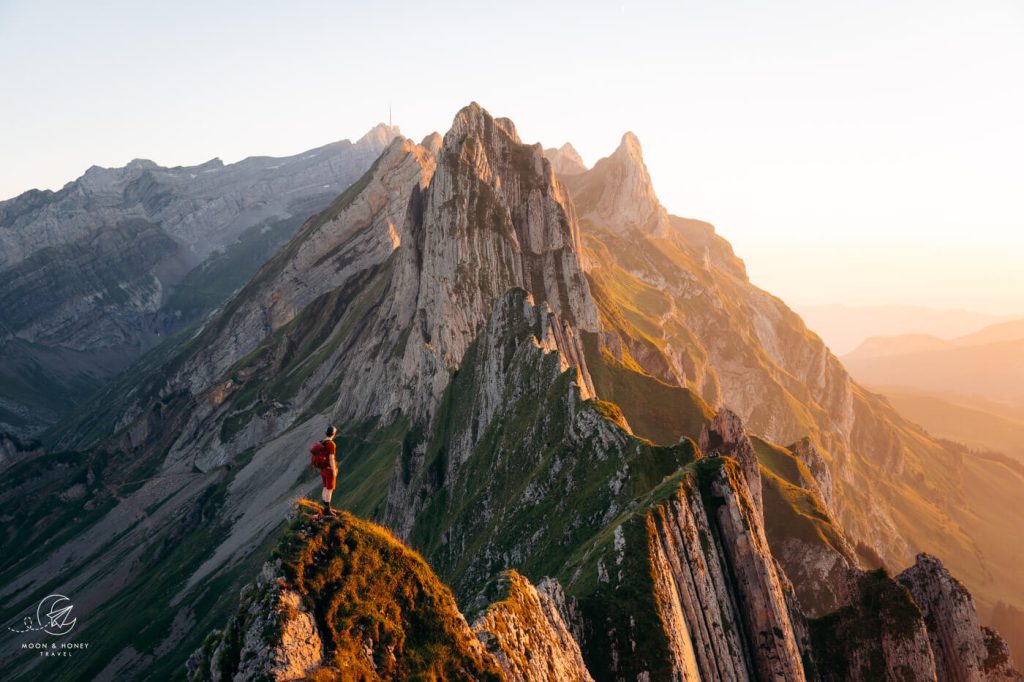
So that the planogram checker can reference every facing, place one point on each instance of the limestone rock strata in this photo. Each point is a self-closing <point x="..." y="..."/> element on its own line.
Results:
<point x="724" y="584"/>
<point x="527" y="635"/>
<point x="387" y="289"/>
<point x="880" y="635"/>
<point x="272" y="636"/>
<point x="360" y="230"/>
<point x="521" y="353"/>
<point x="964" y="651"/>
<point x="725" y="436"/>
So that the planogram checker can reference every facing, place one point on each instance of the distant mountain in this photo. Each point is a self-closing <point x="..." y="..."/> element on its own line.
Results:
<point x="987" y="364"/>
<point x="973" y="423"/>
<point x="907" y="344"/>
<point x="565" y="160"/>
<point x="98" y="272"/>
<point x="844" y="327"/>
<point x="965" y="389"/>
<point x="538" y="373"/>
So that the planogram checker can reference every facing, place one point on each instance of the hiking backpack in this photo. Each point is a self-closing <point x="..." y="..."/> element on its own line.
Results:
<point x="320" y="457"/>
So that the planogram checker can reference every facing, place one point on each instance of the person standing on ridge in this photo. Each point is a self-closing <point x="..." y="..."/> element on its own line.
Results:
<point x="325" y="460"/>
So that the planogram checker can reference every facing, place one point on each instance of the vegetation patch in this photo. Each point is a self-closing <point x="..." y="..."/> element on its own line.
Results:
<point x="381" y="611"/>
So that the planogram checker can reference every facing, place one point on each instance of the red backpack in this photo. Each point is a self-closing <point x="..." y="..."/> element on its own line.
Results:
<point x="320" y="456"/>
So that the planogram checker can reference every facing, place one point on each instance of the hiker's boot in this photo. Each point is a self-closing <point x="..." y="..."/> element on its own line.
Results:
<point x="330" y="510"/>
<point x="327" y="509"/>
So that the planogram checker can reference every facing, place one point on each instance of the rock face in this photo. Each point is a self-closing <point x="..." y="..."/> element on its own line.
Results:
<point x="484" y="215"/>
<point x="725" y="436"/>
<point x="964" y="651"/>
<point x="880" y="635"/>
<point x="618" y="191"/>
<point x="94" y="274"/>
<point x="451" y="313"/>
<point x="271" y="636"/>
<point x="528" y="636"/>
<point x="718" y="584"/>
<point x="565" y="160"/>
<point x="694" y="320"/>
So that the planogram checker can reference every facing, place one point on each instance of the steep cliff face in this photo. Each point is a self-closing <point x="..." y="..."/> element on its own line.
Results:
<point x="880" y="635"/>
<point x="963" y="650"/>
<point x="717" y="580"/>
<point x="676" y="302"/>
<point x="439" y="313"/>
<point x="93" y="275"/>
<point x="527" y="633"/>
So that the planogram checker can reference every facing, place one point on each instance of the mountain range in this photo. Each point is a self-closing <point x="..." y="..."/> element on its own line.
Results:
<point x="965" y="389"/>
<point x="104" y="269"/>
<point x="845" y="327"/>
<point x="601" y="452"/>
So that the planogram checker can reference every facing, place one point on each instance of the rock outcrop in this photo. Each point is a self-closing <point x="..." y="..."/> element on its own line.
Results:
<point x="725" y="436"/>
<point x="346" y="601"/>
<point x="272" y="636"/>
<point x="718" y="588"/>
<point x="528" y="636"/>
<point x="879" y="636"/>
<point x="964" y="651"/>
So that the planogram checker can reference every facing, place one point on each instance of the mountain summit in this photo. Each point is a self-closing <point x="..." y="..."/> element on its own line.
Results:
<point x="565" y="160"/>
<point x="618" y="191"/>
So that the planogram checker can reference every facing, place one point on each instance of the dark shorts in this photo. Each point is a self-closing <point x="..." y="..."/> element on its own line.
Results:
<point x="328" y="476"/>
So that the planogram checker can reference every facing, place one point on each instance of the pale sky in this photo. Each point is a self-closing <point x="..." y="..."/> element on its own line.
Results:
<point x="852" y="152"/>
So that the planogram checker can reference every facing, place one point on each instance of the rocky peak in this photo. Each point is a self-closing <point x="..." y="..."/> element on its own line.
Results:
<point x="725" y="436"/>
<point x="619" y="193"/>
<point x="432" y="142"/>
<point x="379" y="136"/>
<point x="475" y="121"/>
<point x="565" y="160"/>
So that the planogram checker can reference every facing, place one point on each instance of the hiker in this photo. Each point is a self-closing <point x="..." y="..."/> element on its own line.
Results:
<point x="324" y="459"/>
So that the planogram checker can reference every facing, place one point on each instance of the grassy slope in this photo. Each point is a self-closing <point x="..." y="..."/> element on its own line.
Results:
<point x="142" y="614"/>
<point x="363" y="583"/>
<point x="791" y="508"/>
<point x="653" y="409"/>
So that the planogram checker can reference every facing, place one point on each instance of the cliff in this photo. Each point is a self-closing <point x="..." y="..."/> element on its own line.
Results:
<point x="593" y="406"/>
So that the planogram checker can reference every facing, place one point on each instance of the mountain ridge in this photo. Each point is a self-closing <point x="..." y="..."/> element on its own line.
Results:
<point x="111" y="265"/>
<point x="464" y="320"/>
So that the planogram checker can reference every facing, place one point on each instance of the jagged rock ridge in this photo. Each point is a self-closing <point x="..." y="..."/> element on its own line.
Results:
<point x="439" y="310"/>
<point x="676" y="301"/>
